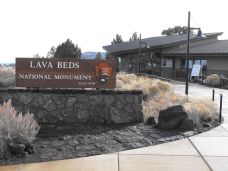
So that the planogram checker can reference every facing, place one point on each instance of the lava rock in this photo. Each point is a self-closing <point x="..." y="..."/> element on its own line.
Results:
<point x="29" y="148"/>
<point x="19" y="146"/>
<point x="145" y="97"/>
<point x="187" y="125"/>
<point x="172" y="117"/>
<point x="206" y="125"/>
<point x="16" y="149"/>
<point x="150" y="121"/>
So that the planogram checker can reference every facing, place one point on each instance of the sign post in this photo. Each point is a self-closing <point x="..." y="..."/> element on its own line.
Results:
<point x="65" y="73"/>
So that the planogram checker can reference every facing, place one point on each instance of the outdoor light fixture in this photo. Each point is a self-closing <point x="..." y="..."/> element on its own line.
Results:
<point x="199" y="35"/>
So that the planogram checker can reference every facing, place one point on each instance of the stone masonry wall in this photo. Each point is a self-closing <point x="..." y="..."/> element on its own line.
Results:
<point x="77" y="106"/>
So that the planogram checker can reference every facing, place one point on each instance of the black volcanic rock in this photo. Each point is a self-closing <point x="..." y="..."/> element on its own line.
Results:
<point x="172" y="117"/>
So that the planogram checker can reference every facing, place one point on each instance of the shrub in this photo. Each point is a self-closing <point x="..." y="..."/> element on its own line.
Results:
<point x="151" y="87"/>
<point x="160" y="95"/>
<point x="153" y="105"/>
<point x="14" y="125"/>
<point x="164" y="86"/>
<point x="126" y="78"/>
<point x="213" y="80"/>
<point x="201" y="110"/>
<point x="119" y="84"/>
<point x="7" y="76"/>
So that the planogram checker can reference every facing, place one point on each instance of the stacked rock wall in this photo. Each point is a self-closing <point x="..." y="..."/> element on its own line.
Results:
<point x="77" y="106"/>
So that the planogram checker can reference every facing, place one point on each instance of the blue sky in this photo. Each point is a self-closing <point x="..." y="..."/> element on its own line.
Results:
<point x="29" y="27"/>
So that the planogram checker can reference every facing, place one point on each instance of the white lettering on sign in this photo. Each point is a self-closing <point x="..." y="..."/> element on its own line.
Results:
<point x="69" y="65"/>
<point x="46" y="64"/>
<point x="34" y="77"/>
<point x="40" y="64"/>
<point x="72" y="77"/>
<point x="56" y="77"/>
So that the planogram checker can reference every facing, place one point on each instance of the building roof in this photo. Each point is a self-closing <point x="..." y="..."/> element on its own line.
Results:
<point x="154" y="42"/>
<point x="217" y="47"/>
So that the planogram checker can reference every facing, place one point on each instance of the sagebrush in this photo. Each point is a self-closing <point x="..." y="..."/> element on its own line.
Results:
<point x="213" y="80"/>
<point x="7" y="76"/>
<point x="15" y="125"/>
<point x="153" y="105"/>
<point x="201" y="109"/>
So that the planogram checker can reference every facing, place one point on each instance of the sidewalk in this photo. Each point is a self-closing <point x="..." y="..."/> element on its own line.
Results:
<point x="203" y="152"/>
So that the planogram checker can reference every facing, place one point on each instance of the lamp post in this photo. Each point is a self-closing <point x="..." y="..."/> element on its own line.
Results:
<point x="187" y="54"/>
<point x="140" y="51"/>
<point x="199" y="35"/>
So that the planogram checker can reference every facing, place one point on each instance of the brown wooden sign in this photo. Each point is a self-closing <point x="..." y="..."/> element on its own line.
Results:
<point x="65" y="73"/>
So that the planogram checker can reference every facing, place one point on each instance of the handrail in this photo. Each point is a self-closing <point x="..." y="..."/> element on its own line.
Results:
<point x="161" y="78"/>
<point x="181" y="82"/>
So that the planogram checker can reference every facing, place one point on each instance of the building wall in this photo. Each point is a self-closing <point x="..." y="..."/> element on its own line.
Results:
<point x="217" y="63"/>
<point x="167" y="72"/>
<point x="124" y="65"/>
<point x="130" y="62"/>
<point x="177" y="62"/>
<point x="218" y="72"/>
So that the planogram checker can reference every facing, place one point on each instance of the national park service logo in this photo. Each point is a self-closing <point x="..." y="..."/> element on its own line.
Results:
<point x="103" y="72"/>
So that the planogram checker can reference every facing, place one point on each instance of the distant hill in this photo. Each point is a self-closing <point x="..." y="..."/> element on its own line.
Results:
<point x="92" y="55"/>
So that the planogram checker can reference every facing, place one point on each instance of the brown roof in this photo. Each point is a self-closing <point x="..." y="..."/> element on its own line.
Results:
<point x="154" y="42"/>
<point x="217" y="47"/>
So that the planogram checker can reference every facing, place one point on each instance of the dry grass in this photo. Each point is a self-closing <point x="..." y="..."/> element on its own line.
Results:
<point x="15" y="125"/>
<point x="212" y="80"/>
<point x="7" y="76"/>
<point x="161" y="96"/>
<point x="153" y="105"/>
<point x="201" y="109"/>
<point x="149" y="86"/>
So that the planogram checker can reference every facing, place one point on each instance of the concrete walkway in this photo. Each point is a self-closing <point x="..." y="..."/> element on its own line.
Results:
<point x="203" y="152"/>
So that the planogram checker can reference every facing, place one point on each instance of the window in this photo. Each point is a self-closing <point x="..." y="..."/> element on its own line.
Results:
<point x="197" y="62"/>
<point x="203" y="63"/>
<point x="166" y="62"/>
<point x="184" y="63"/>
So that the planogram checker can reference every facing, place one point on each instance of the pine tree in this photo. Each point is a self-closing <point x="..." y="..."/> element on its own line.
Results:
<point x="51" y="52"/>
<point x="117" y="40"/>
<point x="177" y="30"/>
<point x="134" y="37"/>
<point x="98" y="55"/>
<point x="68" y="50"/>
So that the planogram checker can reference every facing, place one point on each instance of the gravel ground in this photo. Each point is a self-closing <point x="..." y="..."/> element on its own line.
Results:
<point x="80" y="140"/>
